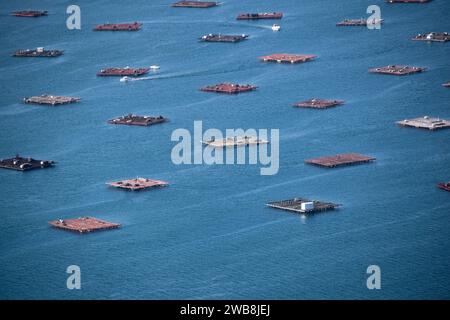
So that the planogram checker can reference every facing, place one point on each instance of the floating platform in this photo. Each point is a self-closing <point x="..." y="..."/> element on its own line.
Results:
<point x="223" y="38"/>
<point x="319" y="103"/>
<point x="397" y="70"/>
<point x="138" y="184"/>
<point x="444" y="186"/>
<point x="447" y="84"/>
<point x="358" y="22"/>
<point x="230" y="88"/>
<point x="407" y="1"/>
<point x="135" y="26"/>
<point x="30" y="13"/>
<point x="122" y="72"/>
<point x="24" y="164"/>
<point x="194" y="4"/>
<point x="433" y="37"/>
<point x="257" y="16"/>
<point x="84" y="224"/>
<point x="288" y="58"/>
<point x="38" y="52"/>
<point x="301" y="205"/>
<point x="426" y="122"/>
<point x="234" y="142"/>
<point x="50" y="100"/>
<point x="340" y="160"/>
<point x="135" y="120"/>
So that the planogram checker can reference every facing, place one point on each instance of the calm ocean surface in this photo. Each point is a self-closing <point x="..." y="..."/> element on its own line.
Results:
<point x="209" y="235"/>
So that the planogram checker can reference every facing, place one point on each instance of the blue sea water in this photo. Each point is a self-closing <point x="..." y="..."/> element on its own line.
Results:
<point x="209" y="235"/>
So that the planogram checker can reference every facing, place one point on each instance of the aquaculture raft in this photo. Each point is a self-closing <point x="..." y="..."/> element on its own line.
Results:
<point x="135" y="120"/>
<point x="288" y="58"/>
<point x="24" y="164"/>
<point x="121" y="72"/>
<point x="397" y="70"/>
<point x="194" y="4"/>
<point x="135" y="26"/>
<point x="230" y="88"/>
<point x="358" y="22"/>
<point x="30" y="13"/>
<point x="50" y="100"/>
<point x="38" y="52"/>
<point x="84" y="224"/>
<point x="340" y="160"/>
<point x="223" y="38"/>
<point x="444" y="186"/>
<point x="137" y="184"/>
<point x="426" y="122"/>
<point x="433" y="37"/>
<point x="319" y="103"/>
<point x="407" y="1"/>
<point x="257" y="16"/>
<point x="301" y="205"/>
<point x="235" y="142"/>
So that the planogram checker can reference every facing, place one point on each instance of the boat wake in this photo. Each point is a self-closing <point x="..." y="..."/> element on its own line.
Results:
<point x="129" y="79"/>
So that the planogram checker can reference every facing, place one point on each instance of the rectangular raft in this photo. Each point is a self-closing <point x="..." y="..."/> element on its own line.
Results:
<point x="302" y="205"/>
<point x="84" y="224"/>
<point x="340" y="160"/>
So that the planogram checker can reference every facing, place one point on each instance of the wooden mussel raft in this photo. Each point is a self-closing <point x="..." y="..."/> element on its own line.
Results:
<point x="258" y="16"/>
<point x="397" y="70"/>
<point x="138" y="184"/>
<point x="444" y="186"/>
<point x="358" y="22"/>
<point x="84" y="224"/>
<point x="135" y="120"/>
<point x="340" y="160"/>
<point x="236" y="141"/>
<point x="38" y="52"/>
<point x="50" y="100"/>
<point x="407" y="1"/>
<point x="122" y="72"/>
<point x="194" y="4"/>
<point x="303" y="206"/>
<point x="24" y="164"/>
<point x="134" y="26"/>
<point x="425" y="122"/>
<point x="288" y="58"/>
<point x="432" y="37"/>
<point x="230" y="88"/>
<point x="30" y="13"/>
<point x="319" y="103"/>
<point x="223" y="38"/>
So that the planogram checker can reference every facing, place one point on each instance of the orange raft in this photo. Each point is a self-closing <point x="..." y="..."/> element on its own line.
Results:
<point x="84" y="224"/>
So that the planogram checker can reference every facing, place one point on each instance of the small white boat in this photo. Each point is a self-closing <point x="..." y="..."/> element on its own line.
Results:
<point x="125" y="79"/>
<point x="154" y="67"/>
<point x="276" y="27"/>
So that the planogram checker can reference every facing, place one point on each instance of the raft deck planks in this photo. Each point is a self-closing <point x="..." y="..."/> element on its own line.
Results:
<point x="340" y="160"/>
<point x="84" y="224"/>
